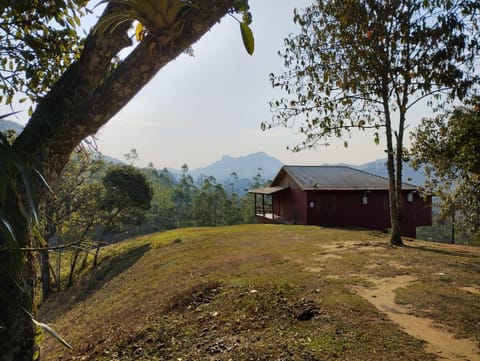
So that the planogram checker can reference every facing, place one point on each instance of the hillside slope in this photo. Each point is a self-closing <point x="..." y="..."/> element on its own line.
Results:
<point x="268" y="292"/>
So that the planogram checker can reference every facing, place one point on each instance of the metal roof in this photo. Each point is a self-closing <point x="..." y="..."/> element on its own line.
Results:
<point x="267" y="190"/>
<point x="335" y="178"/>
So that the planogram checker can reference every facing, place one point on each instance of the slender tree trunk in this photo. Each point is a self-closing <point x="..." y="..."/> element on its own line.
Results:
<point x="452" y="240"/>
<point x="398" y="176"/>
<point x="97" y="251"/>
<point x="85" y="259"/>
<point x="73" y="264"/>
<point x="45" y="274"/>
<point x="396" y="233"/>
<point x="395" y="215"/>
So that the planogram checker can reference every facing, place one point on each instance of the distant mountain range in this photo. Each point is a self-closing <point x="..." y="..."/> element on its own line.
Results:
<point x="246" y="167"/>
<point x="379" y="167"/>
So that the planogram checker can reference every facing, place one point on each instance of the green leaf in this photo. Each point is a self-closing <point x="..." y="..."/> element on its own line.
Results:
<point x="247" y="37"/>
<point x="52" y="332"/>
<point x="241" y="5"/>
<point x="6" y="230"/>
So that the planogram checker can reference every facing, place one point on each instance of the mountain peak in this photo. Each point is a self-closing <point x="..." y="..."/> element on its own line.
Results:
<point x="244" y="166"/>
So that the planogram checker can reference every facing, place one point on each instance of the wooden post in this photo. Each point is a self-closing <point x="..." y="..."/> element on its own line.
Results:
<point x="273" y="212"/>
<point x="263" y="205"/>
<point x="453" y="224"/>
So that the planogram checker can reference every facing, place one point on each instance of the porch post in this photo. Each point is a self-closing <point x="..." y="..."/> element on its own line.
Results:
<point x="263" y="205"/>
<point x="273" y="211"/>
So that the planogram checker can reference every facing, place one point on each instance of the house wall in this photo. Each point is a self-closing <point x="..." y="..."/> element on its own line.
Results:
<point x="290" y="203"/>
<point x="415" y="214"/>
<point x="346" y="209"/>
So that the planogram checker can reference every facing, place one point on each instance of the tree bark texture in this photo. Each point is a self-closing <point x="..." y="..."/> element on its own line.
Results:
<point x="89" y="93"/>
<point x="394" y="193"/>
<point x="17" y="285"/>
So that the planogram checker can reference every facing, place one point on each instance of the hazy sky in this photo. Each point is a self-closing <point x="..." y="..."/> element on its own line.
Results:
<point x="199" y="108"/>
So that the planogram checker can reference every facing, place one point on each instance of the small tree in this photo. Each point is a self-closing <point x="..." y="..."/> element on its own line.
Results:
<point x="448" y="148"/>
<point x="161" y="215"/>
<point x="183" y="198"/>
<point x="132" y="156"/>
<point x="72" y="209"/>
<point x="359" y="65"/>
<point x="128" y="196"/>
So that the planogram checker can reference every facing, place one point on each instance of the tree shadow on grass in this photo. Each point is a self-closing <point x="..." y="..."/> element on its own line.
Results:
<point x="109" y="268"/>
<point x="444" y="251"/>
<point x="470" y="258"/>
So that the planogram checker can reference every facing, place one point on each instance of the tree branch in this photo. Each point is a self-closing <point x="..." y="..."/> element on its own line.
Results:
<point x="90" y="92"/>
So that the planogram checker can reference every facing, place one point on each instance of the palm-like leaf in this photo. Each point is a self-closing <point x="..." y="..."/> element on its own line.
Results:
<point x="155" y="15"/>
<point x="16" y="181"/>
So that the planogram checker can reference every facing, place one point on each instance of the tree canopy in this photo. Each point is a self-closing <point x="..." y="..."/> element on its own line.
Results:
<point x="39" y="40"/>
<point x="448" y="149"/>
<point x="357" y="65"/>
<point x="128" y="193"/>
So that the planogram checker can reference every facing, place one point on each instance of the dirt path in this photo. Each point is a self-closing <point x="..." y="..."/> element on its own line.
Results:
<point x="439" y="341"/>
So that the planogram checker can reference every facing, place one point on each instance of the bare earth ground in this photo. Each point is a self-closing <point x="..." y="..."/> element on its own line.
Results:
<point x="438" y="340"/>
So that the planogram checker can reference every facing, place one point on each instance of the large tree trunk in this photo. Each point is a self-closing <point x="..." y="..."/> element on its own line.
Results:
<point x="90" y="92"/>
<point x="17" y="332"/>
<point x="395" y="210"/>
<point x="397" y="241"/>
<point x="17" y="281"/>
<point x="394" y="199"/>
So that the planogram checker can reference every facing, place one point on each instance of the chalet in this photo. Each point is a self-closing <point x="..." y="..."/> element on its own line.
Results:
<point x="337" y="196"/>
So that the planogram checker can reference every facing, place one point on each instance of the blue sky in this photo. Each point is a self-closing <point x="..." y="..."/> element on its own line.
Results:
<point x="199" y="108"/>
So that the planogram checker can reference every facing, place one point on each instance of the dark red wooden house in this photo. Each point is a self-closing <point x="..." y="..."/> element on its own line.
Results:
<point x="337" y="196"/>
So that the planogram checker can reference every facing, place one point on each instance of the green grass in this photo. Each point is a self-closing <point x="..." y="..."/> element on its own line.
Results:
<point x="243" y="292"/>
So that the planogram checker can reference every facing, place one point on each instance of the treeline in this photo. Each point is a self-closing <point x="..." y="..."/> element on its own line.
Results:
<point x="95" y="202"/>
<point x="97" y="199"/>
<point x="181" y="201"/>
<point x="177" y="200"/>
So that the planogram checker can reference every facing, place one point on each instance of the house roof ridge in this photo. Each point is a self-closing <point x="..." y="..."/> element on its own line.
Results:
<point x="349" y="167"/>
<point x="300" y="174"/>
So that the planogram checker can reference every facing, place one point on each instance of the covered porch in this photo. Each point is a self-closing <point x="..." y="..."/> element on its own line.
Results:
<point x="267" y="204"/>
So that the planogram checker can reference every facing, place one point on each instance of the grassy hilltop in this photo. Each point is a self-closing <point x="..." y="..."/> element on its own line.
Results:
<point x="271" y="292"/>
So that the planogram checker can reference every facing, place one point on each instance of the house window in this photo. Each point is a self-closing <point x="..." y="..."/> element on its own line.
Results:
<point x="327" y="202"/>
